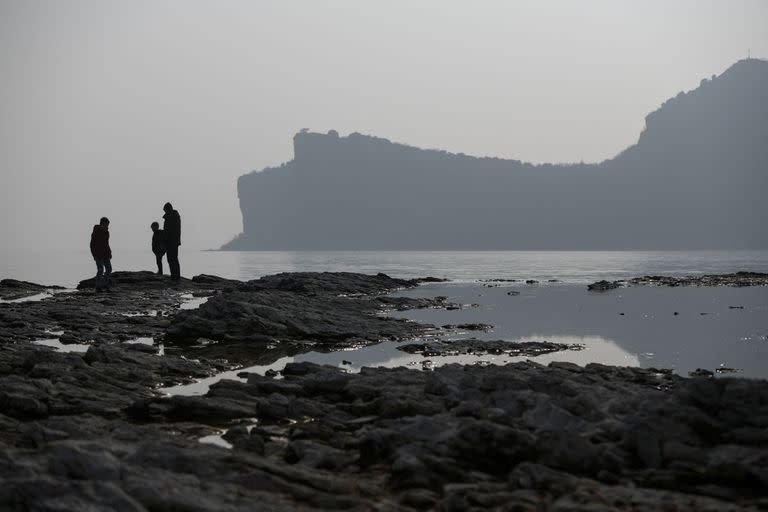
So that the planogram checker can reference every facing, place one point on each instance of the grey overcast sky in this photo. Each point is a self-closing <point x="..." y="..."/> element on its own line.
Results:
<point x="114" y="107"/>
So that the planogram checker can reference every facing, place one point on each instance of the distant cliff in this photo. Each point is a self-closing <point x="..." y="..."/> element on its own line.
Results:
<point x="696" y="179"/>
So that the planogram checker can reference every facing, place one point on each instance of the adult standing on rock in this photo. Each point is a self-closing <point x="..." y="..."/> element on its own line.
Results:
<point x="172" y="229"/>
<point x="102" y="254"/>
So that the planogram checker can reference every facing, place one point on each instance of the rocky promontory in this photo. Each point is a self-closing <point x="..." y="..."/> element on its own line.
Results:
<point x="700" y="148"/>
<point x="90" y="431"/>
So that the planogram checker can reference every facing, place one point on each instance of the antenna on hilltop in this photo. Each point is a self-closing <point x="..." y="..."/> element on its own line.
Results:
<point x="748" y="54"/>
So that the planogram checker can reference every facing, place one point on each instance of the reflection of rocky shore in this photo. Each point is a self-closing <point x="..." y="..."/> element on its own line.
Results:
<point x="481" y="347"/>
<point x="735" y="279"/>
<point x="87" y="431"/>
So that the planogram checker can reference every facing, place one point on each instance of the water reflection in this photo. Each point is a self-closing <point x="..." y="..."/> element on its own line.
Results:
<point x="680" y="328"/>
<point x="63" y="347"/>
<point x="387" y="355"/>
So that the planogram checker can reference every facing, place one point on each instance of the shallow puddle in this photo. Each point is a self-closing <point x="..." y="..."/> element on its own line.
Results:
<point x="191" y="302"/>
<point x="643" y="326"/>
<point x="31" y="298"/>
<point x="62" y="347"/>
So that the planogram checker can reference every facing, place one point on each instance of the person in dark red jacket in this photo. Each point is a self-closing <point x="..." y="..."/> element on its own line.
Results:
<point x="102" y="254"/>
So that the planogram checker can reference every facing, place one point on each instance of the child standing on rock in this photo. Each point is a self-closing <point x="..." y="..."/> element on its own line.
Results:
<point x="158" y="245"/>
<point x="102" y="254"/>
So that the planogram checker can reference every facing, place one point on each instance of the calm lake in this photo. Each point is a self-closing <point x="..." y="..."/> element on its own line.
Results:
<point x="67" y="268"/>
<point x="714" y="328"/>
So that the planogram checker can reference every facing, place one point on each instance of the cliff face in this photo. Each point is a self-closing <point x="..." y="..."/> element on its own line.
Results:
<point x="695" y="179"/>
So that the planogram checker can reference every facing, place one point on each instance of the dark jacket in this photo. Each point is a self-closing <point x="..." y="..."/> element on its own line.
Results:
<point x="158" y="242"/>
<point x="100" y="243"/>
<point x="172" y="228"/>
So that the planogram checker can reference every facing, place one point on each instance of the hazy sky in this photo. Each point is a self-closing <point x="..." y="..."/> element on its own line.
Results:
<point x="114" y="107"/>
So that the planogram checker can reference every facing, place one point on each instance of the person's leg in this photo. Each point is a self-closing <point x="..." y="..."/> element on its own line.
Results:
<point x="99" y="274"/>
<point x="173" y="261"/>
<point x="159" y="259"/>
<point x="107" y="272"/>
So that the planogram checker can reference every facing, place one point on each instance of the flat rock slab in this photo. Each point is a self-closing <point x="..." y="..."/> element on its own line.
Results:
<point x="326" y="310"/>
<point x="481" y="347"/>
<point x="89" y="431"/>
<point x="12" y="289"/>
<point x="139" y="305"/>
<point x="520" y="437"/>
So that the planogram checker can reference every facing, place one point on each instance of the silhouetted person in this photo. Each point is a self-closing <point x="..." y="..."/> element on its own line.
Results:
<point x="172" y="228"/>
<point x="158" y="245"/>
<point x="102" y="254"/>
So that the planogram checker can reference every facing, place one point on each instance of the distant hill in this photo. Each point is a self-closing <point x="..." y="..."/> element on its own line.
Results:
<point x="696" y="179"/>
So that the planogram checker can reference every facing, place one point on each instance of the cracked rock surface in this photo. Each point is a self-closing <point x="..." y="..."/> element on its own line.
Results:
<point x="88" y="431"/>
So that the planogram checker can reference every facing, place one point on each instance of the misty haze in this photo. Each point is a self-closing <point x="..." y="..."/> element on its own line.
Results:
<point x="353" y="255"/>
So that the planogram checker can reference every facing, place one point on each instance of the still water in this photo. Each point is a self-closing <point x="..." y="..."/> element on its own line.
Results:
<point x="714" y="327"/>
<point x="67" y="268"/>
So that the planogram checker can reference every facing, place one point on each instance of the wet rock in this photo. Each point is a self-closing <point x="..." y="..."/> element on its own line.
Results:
<point x="701" y="372"/>
<point x="735" y="279"/>
<point x="137" y="307"/>
<point x="469" y="327"/>
<point x="88" y="431"/>
<point x="12" y="289"/>
<point x="601" y="286"/>
<point x="329" y="308"/>
<point x="481" y="347"/>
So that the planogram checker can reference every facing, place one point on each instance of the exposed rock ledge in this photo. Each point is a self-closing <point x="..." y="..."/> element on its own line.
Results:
<point x="735" y="279"/>
<point x="87" y="431"/>
<point x="82" y="432"/>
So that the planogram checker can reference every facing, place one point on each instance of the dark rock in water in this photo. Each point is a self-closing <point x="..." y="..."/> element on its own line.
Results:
<point x="482" y="347"/>
<point x="433" y="280"/>
<point x="736" y="279"/>
<point x="531" y="281"/>
<point x="12" y="289"/>
<point x="602" y="286"/>
<point x="726" y="369"/>
<point x="513" y="293"/>
<point x="469" y="327"/>
<point x="701" y="372"/>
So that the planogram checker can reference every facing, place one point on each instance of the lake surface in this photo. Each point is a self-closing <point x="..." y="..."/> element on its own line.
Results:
<point x="715" y="327"/>
<point x="580" y="267"/>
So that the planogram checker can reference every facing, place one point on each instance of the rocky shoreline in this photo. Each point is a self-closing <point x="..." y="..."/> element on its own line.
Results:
<point x="89" y="430"/>
<point x="735" y="279"/>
